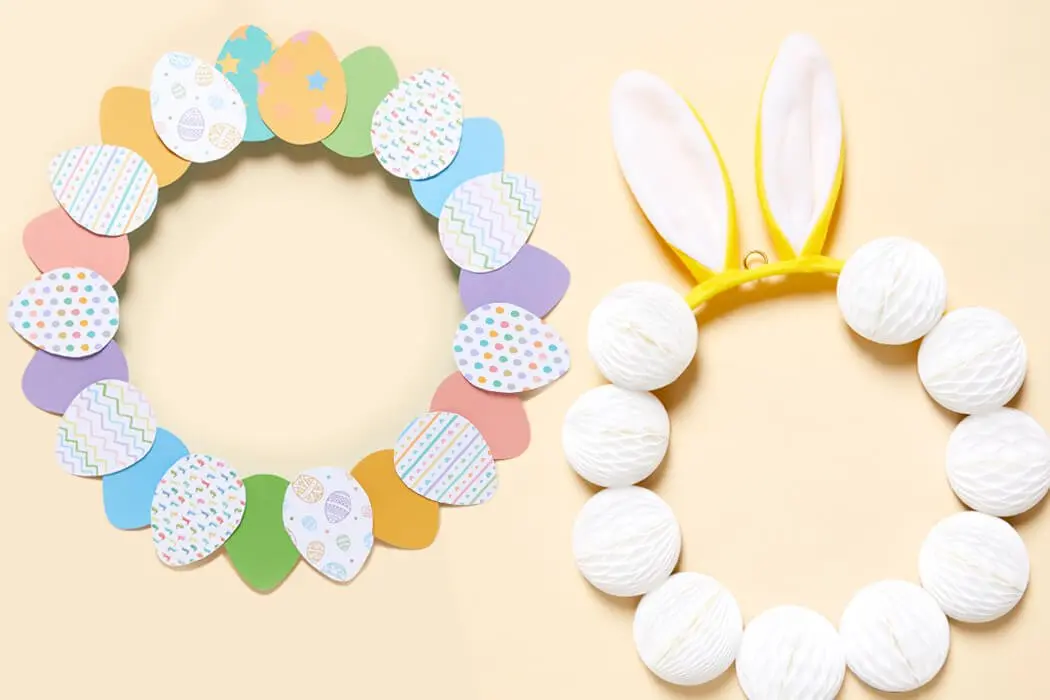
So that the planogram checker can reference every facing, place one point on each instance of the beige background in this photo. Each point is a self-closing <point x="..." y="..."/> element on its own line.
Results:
<point x="804" y="464"/>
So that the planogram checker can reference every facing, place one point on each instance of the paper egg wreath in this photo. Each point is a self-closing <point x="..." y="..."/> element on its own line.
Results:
<point x="200" y="111"/>
<point x="972" y="567"/>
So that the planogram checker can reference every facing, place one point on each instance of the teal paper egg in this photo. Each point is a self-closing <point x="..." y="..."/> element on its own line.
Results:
<point x="247" y="48"/>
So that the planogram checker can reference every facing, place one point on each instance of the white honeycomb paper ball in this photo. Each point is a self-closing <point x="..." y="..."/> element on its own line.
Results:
<point x="974" y="360"/>
<point x="790" y="652"/>
<point x="895" y="635"/>
<point x="892" y="291"/>
<point x="642" y="336"/>
<point x="975" y="566"/>
<point x="999" y="462"/>
<point x="626" y="541"/>
<point x="615" y="437"/>
<point x="688" y="630"/>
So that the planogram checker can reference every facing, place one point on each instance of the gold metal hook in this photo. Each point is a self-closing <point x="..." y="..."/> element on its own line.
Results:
<point x="749" y="259"/>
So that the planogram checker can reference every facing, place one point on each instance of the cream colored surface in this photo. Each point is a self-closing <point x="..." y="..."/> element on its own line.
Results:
<point x="804" y="463"/>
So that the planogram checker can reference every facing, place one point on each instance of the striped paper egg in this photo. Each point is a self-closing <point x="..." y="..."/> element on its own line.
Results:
<point x="443" y="457"/>
<point x="107" y="428"/>
<point x="109" y="190"/>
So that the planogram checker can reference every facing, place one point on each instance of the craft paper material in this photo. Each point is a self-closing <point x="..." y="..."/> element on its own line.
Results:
<point x="480" y="152"/>
<point x="126" y="119"/>
<point x="197" y="505"/>
<point x="505" y="349"/>
<point x="109" y="190"/>
<point x="246" y="50"/>
<point x="53" y="240"/>
<point x="302" y="90"/>
<point x="260" y="549"/>
<point x="127" y="495"/>
<point x="329" y="518"/>
<point x="487" y="220"/>
<point x="108" y="427"/>
<point x="197" y="112"/>
<point x="534" y="279"/>
<point x="416" y="129"/>
<point x="51" y="382"/>
<point x="500" y="417"/>
<point x="71" y="311"/>
<point x="443" y="457"/>
<point x="369" y="74"/>
<point x="400" y="516"/>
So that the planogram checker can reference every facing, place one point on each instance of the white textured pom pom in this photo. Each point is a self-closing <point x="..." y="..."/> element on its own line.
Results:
<point x="626" y="541"/>
<point x="999" y="462"/>
<point x="895" y="636"/>
<point x="615" y="437"/>
<point x="892" y="291"/>
<point x="688" y="630"/>
<point x="975" y="566"/>
<point x="973" y="360"/>
<point x="642" y="336"/>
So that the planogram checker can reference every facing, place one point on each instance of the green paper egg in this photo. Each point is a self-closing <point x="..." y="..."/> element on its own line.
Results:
<point x="370" y="75"/>
<point x="260" y="549"/>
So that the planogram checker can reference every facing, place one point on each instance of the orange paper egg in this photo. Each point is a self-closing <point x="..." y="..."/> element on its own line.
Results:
<point x="125" y="120"/>
<point x="400" y="516"/>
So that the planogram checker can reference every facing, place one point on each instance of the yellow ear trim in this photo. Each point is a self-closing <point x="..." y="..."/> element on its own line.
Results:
<point x="819" y="235"/>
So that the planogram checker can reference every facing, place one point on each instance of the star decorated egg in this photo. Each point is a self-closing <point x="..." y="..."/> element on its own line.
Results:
<point x="369" y="74"/>
<point x="109" y="190"/>
<point x="443" y="457"/>
<point x="107" y="428"/>
<point x="248" y="49"/>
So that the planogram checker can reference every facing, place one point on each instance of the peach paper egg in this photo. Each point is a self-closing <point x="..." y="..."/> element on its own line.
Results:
<point x="109" y="190"/>
<point x="125" y="119"/>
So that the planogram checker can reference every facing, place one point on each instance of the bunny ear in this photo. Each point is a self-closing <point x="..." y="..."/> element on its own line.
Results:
<point x="674" y="170"/>
<point x="799" y="152"/>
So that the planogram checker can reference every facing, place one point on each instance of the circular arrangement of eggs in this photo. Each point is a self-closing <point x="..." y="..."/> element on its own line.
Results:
<point x="196" y="112"/>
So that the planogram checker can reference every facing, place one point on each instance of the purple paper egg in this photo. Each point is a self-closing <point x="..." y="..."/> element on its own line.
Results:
<point x="52" y="382"/>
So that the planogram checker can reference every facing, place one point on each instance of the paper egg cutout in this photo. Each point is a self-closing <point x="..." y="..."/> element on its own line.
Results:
<point x="109" y="190"/>
<point x="245" y="51"/>
<point x="260" y="549"/>
<point x="342" y="515"/>
<point x="108" y="427"/>
<point x="302" y="91"/>
<point x="197" y="506"/>
<point x="125" y="119"/>
<point x="417" y="128"/>
<point x="70" y="311"/>
<point x="369" y="75"/>
<point x="127" y="495"/>
<point x="51" y="382"/>
<point x="501" y="418"/>
<point x="400" y="516"/>
<point x="535" y="280"/>
<point x="197" y="113"/>
<point x="480" y="152"/>
<point x="506" y="349"/>
<point x="53" y="240"/>
<point x="443" y="457"/>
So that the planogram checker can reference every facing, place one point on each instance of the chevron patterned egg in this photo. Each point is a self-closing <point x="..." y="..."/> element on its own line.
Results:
<point x="487" y="220"/>
<point x="443" y="457"/>
<point x="107" y="428"/>
<point x="109" y="190"/>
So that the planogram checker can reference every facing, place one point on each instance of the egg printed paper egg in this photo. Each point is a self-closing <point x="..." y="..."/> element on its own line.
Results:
<point x="504" y="348"/>
<point x="487" y="220"/>
<point x="69" y="311"/>
<point x="109" y="190"/>
<point x="108" y="427"/>
<point x="197" y="505"/>
<point x="329" y="518"/>
<point x="416" y="129"/>
<point x="302" y="92"/>
<point x="197" y="112"/>
<point x="247" y="49"/>
<point x="443" y="457"/>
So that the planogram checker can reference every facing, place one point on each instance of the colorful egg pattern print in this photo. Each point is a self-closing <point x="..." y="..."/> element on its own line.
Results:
<point x="443" y="457"/>
<point x="109" y="190"/>
<point x="248" y="49"/>
<point x="197" y="506"/>
<point x="329" y="519"/>
<point x="506" y="349"/>
<point x="107" y="428"/>
<point x="69" y="311"/>
<point x="416" y="129"/>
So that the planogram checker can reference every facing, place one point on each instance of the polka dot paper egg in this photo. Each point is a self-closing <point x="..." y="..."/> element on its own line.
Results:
<point x="109" y="190"/>
<point x="443" y="457"/>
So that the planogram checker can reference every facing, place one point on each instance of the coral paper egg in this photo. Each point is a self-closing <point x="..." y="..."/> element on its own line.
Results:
<point x="500" y="417"/>
<point x="443" y="457"/>
<point x="245" y="51"/>
<point x="109" y="190"/>
<point x="54" y="240"/>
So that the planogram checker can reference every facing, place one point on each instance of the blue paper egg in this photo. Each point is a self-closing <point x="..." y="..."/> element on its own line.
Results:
<point x="480" y="153"/>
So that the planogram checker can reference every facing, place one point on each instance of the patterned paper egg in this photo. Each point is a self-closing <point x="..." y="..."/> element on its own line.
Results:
<point x="125" y="120"/>
<point x="506" y="349"/>
<point x="109" y="190"/>
<point x="108" y="427"/>
<point x="302" y="92"/>
<point x="69" y="311"/>
<point x="247" y="49"/>
<point x="332" y="497"/>
<point x="369" y="75"/>
<point x="416" y="129"/>
<point x="191" y="99"/>
<point x="443" y="457"/>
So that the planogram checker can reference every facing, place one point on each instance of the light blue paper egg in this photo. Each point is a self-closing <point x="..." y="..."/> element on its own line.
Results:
<point x="480" y="153"/>
<point x="245" y="50"/>
<point x="127" y="495"/>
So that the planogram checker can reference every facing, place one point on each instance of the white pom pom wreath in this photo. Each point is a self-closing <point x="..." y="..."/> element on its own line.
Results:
<point x="973" y="360"/>
<point x="975" y="566"/>
<point x="626" y="541"/>
<point x="790" y="652"/>
<point x="642" y="336"/>
<point x="892" y="291"/>
<point x="615" y="437"/>
<point x="688" y="630"/>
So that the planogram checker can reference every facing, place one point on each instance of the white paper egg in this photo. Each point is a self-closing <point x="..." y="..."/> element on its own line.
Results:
<point x="790" y="652"/>
<point x="443" y="457"/>
<point x="895" y="636"/>
<point x="973" y="360"/>
<point x="688" y="631"/>
<point x="615" y="437"/>
<point x="626" y="541"/>
<point x="975" y="566"/>
<point x="892" y="291"/>
<point x="107" y="428"/>
<point x="109" y="190"/>
<point x="999" y="462"/>
<point x="642" y="336"/>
